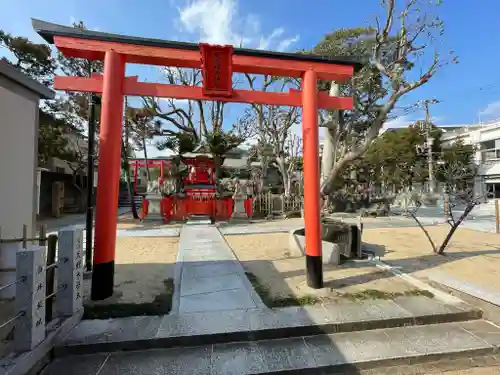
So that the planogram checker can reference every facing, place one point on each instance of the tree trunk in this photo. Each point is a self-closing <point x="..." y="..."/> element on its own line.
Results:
<point x="334" y="173"/>
<point x="467" y="211"/>
<point x="329" y="145"/>
<point x="126" y="165"/>
<point x="130" y="193"/>
<point x="148" y="173"/>
<point x="218" y="173"/>
<point x="285" y="176"/>
<point x="263" y="172"/>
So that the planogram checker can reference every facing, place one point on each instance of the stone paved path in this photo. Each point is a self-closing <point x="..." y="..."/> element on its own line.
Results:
<point x="208" y="275"/>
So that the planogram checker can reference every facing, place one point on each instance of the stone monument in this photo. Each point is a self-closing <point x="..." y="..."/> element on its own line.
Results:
<point x="154" y="197"/>
<point x="239" y="212"/>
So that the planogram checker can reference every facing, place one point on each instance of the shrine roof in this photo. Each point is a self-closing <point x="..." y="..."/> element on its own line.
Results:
<point x="231" y="163"/>
<point x="193" y="155"/>
<point x="13" y="74"/>
<point x="49" y="30"/>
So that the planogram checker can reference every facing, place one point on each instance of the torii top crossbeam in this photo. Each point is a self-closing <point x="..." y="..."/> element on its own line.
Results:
<point x="93" y="45"/>
<point x="217" y="64"/>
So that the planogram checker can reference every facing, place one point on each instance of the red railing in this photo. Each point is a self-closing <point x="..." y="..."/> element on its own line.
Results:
<point x="178" y="209"/>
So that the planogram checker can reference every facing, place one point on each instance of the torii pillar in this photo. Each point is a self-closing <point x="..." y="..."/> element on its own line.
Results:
<point x="310" y="140"/>
<point x="110" y="138"/>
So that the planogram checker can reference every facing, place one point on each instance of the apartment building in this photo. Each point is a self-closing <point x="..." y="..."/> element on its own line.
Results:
<point x="486" y="138"/>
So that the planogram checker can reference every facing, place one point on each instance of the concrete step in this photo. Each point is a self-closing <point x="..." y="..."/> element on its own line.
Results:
<point x="199" y="220"/>
<point x="403" y="350"/>
<point x="216" y="327"/>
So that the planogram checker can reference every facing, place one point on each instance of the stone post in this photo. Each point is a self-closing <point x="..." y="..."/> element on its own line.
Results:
<point x="69" y="298"/>
<point x="239" y="212"/>
<point x="30" y="298"/>
<point x="154" y="199"/>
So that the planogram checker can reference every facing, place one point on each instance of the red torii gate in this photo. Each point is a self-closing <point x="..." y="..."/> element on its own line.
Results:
<point x="217" y="64"/>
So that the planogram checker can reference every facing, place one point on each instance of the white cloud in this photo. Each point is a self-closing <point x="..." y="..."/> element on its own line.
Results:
<point x="405" y="121"/>
<point x="153" y="152"/>
<point x="286" y="43"/>
<point x="399" y="122"/>
<point x="165" y="103"/>
<point x="492" y="110"/>
<point x="219" y="22"/>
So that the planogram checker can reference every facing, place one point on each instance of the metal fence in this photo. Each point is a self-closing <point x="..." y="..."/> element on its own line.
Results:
<point x="47" y="273"/>
<point x="266" y="205"/>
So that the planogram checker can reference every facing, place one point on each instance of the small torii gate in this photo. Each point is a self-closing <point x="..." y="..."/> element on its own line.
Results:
<point x="217" y="64"/>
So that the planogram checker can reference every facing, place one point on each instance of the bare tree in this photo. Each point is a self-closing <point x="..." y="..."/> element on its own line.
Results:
<point x="273" y="128"/>
<point x="262" y="153"/>
<point x="143" y="126"/>
<point x="77" y="150"/>
<point x="459" y="180"/>
<point x="126" y="152"/>
<point x="195" y="117"/>
<point x="202" y="120"/>
<point x="397" y="45"/>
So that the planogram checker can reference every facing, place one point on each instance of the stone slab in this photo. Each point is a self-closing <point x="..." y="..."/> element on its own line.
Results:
<point x="425" y="309"/>
<point x="197" y="270"/>
<point x="437" y="338"/>
<point x="486" y="331"/>
<point x="88" y="364"/>
<point x="368" y="311"/>
<point x="335" y="352"/>
<point x="248" y="229"/>
<point x="157" y="232"/>
<point x="191" y="286"/>
<point x="208" y="276"/>
<point x="114" y="330"/>
<point x="286" y="354"/>
<point x="235" y="299"/>
<point x="178" y="361"/>
<point x="205" y="323"/>
<point x="492" y="297"/>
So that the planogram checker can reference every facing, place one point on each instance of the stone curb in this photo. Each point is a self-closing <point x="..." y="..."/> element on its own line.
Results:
<point x="448" y="347"/>
<point x="415" y="364"/>
<point x="163" y="340"/>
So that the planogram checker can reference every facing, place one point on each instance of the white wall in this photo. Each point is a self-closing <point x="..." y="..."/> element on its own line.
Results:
<point x="18" y="116"/>
<point x="18" y="159"/>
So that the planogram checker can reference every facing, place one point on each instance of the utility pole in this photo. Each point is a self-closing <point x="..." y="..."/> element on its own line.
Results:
<point x="429" y="141"/>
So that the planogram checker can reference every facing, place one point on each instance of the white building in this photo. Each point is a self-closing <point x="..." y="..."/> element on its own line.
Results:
<point x="486" y="139"/>
<point x="19" y="103"/>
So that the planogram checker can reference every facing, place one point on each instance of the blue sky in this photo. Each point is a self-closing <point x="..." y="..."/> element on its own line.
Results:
<point x="468" y="91"/>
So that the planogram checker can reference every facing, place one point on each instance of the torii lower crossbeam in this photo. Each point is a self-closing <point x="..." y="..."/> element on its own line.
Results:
<point x="131" y="87"/>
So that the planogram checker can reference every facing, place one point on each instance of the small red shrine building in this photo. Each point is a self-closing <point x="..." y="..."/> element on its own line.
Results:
<point x="199" y="191"/>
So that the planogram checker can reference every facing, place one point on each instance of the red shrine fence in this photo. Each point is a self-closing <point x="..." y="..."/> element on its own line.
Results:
<point x="179" y="209"/>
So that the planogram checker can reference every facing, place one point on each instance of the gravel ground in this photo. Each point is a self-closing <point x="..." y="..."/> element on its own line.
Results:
<point x="142" y="265"/>
<point x="471" y="256"/>
<point x="473" y="371"/>
<point x="267" y="257"/>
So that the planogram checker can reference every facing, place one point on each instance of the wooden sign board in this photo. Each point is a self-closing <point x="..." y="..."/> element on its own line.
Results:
<point x="217" y="70"/>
